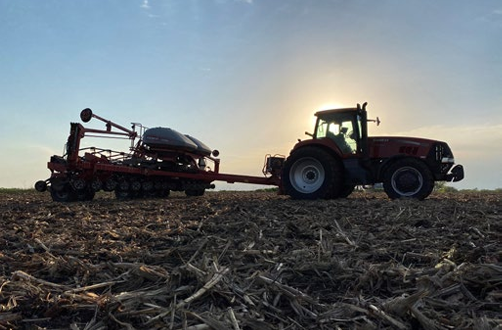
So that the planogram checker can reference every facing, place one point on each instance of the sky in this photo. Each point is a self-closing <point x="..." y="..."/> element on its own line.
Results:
<point x="246" y="76"/>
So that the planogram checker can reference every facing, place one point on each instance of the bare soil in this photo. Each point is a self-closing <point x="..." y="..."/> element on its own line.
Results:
<point x="251" y="260"/>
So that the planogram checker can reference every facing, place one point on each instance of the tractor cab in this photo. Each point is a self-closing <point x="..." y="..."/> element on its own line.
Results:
<point x="346" y="127"/>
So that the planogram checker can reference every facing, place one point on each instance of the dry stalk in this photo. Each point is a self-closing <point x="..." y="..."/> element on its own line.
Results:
<point x="380" y="313"/>
<point x="19" y="274"/>
<point x="211" y="322"/>
<point x="424" y="320"/>
<point x="233" y="319"/>
<point x="319" y="247"/>
<point x="202" y="326"/>
<point x="201" y="246"/>
<point x="92" y="324"/>
<point x="173" y="311"/>
<point x="345" y="236"/>
<point x="198" y="271"/>
<point x="91" y="287"/>
<point x="212" y="282"/>
<point x="39" y="242"/>
<point x="287" y="290"/>
<point x="124" y="297"/>
<point x="124" y="324"/>
<point x="400" y="305"/>
<point x="148" y="272"/>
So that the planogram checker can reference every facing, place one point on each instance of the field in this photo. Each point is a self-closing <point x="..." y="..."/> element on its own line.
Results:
<point x="251" y="260"/>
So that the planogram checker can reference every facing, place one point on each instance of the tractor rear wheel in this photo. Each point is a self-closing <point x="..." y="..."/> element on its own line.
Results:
<point x="408" y="177"/>
<point x="312" y="173"/>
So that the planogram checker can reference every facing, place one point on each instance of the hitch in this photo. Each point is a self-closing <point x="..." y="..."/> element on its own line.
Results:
<point x="274" y="165"/>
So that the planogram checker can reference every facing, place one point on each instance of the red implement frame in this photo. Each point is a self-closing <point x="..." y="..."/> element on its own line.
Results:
<point x="94" y="161"/>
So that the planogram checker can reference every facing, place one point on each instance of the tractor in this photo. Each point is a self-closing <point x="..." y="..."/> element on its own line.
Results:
<point x="340" y="156"/>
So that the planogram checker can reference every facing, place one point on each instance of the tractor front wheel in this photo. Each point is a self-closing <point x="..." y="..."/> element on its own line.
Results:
<point x="409" y="178"/>
<point x="312" y="173"/>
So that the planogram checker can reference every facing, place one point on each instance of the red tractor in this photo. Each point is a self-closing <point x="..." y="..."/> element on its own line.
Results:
<point x="339" y="157"/>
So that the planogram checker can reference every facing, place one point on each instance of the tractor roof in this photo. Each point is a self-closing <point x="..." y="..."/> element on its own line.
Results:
<point x="335" y="111"/>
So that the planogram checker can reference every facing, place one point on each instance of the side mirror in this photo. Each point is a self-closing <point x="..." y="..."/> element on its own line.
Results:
<point x="377" y="121"/>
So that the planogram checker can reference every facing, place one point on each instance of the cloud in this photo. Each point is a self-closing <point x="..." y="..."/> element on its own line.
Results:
<point x="493" y="17"/>
<point x="145" y="4"/>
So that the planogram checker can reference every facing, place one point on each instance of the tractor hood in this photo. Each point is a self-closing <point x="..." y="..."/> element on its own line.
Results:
<point x="388" y="146"/>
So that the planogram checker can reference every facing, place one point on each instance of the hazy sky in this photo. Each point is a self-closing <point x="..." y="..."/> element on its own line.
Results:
<point x="246" y="76"/>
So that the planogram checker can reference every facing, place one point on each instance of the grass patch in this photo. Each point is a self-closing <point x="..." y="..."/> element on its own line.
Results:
<point x="15" y="190"/>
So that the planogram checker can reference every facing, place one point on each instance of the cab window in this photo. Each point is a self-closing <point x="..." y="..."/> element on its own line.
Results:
<point x="341" y="132"/>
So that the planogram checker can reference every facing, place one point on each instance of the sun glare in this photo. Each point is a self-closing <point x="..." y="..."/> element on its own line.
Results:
<point x="328" y="106"/>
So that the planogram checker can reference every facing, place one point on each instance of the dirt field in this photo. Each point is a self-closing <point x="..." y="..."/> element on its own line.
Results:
<point x="242" y="260"/>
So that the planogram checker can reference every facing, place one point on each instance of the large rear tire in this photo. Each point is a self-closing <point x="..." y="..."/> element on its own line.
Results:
<point x="312" y="173"/>
<point x="408" y="178"/>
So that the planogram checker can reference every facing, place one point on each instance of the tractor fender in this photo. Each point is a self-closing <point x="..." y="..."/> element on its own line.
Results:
<point x="325" y="144"/>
